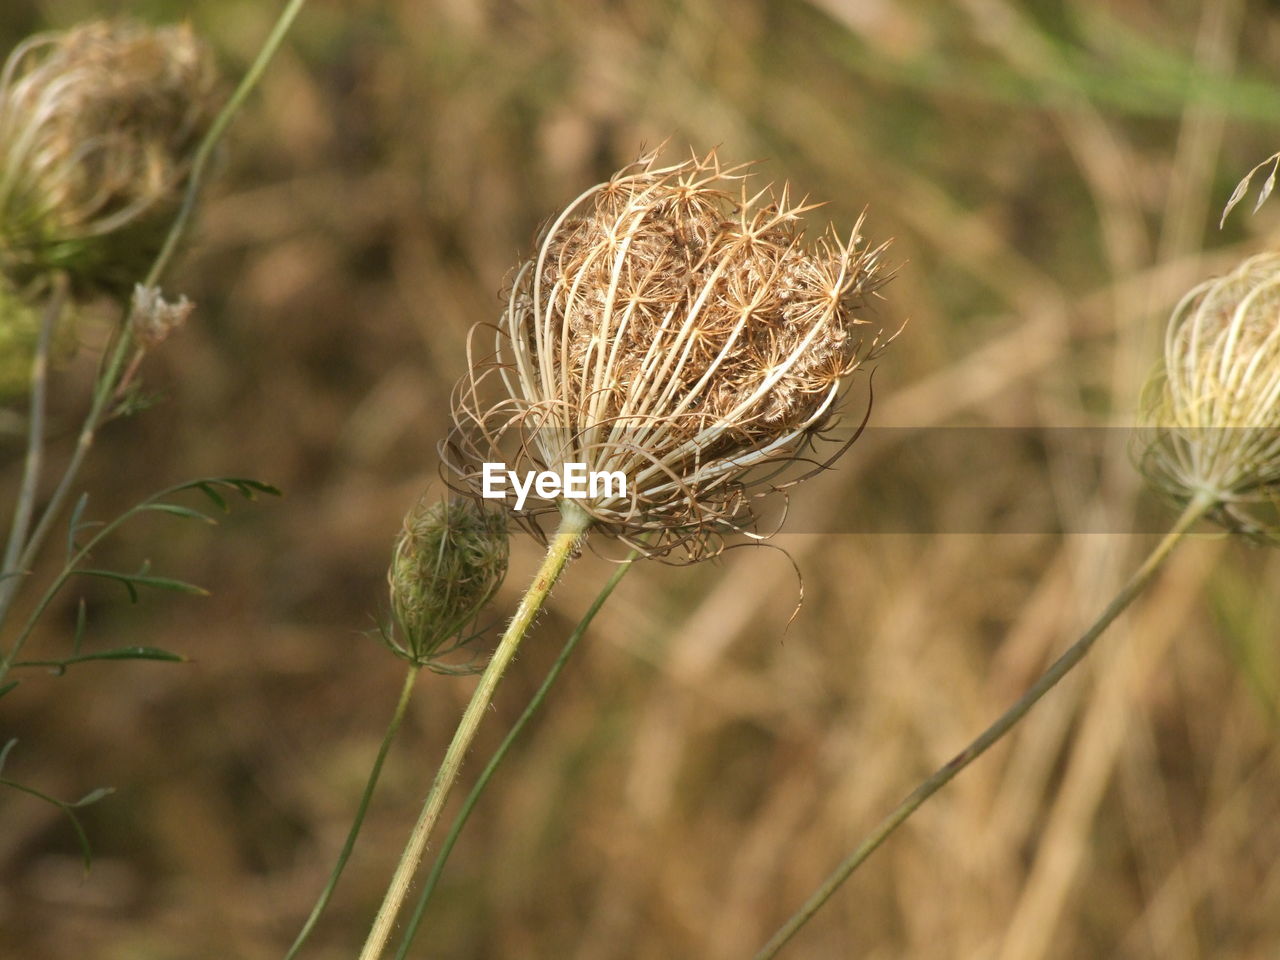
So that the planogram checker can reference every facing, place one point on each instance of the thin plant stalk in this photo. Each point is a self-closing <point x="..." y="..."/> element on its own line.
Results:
<point x="102" y="393"/>
<point x="573" y="525"/>
<point x="25" y="507"/>
<point x="109" y="380"/>
<point x="210" y="142"/>
<point x="468" y="805"/>
<point x="325" y="895"/>
<point x="1141" y="578"/>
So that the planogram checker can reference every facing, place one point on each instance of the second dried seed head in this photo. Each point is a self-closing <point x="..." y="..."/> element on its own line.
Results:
<point x="98" y="127"/>
<point x="1213" y="412"/>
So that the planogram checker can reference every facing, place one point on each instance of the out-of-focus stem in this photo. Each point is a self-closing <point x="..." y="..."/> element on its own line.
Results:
<point x="943" y="775"/>
<point x="11" y="568"/>
<point x="323" y="900"/>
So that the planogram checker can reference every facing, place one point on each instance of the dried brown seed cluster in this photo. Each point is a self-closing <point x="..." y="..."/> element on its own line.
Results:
<point x="1213" y="413"/>
<point x="152" y="318"/>
<point x="97" y="129"/>
<point x="676" y="332"/>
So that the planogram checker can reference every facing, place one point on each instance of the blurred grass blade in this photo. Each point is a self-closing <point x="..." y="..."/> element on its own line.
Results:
<point x="131" y="582"/>
<point x="82" y="620"/>
<point x="74" y="525"/>
<point x="178" y="510"/>
<point x="86" y="852"/>
<point x="247" y="488"/>
<point x="1267" y="187"/>
<point x="93" y="796"/>
<point x="119" y="653"/>
<point x="1243" y="187"/>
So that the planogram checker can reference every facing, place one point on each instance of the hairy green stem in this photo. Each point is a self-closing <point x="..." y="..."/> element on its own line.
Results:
<point x="573" y="525"/>
<point x="943" y="775"/>
<point x="323" y="901"/>
<point x="460" y="821"/>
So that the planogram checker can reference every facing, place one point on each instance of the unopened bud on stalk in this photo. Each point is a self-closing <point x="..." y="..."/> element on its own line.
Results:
<point x="98" y="127"/>
<point x="449" y="560"/>
<point x="1213" y="412"/>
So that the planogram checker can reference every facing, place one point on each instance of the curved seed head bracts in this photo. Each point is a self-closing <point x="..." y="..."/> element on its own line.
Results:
<point x="677" y="329"/>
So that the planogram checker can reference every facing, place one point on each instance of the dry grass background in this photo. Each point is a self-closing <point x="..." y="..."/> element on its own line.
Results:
<point x="1051" y="174"/>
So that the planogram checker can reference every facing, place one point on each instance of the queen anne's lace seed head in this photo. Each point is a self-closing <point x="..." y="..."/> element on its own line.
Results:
<point x="1213" y="413"/>
<point x="675" y="329"/>
<point x="98" y="126"/>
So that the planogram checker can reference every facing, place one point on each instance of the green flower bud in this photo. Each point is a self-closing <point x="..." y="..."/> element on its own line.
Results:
<point x="449" y="560"/>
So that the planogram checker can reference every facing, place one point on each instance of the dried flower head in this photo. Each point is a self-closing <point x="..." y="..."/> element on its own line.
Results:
<point x="449" y="560"/>
<point x="675" y="332"/>
<point x="98" y="126"/>
<point x="1213" y="413"/>
<point x="152" y="318"/>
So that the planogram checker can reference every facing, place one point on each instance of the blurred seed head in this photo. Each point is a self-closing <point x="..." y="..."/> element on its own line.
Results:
<point x="98" y="126"/>
<point x="19" y="332"/>
<point x="448" y="562"/>
<point x="1212" y="417"/>
<point x="19" y="328"/>
<point x="678" y="329"/>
